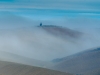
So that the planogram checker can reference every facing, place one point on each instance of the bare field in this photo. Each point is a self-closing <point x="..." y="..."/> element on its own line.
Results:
<point x="9" y="68"/>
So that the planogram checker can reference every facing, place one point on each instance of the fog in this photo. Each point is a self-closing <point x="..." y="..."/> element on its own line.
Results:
<point x="23" y="37"/>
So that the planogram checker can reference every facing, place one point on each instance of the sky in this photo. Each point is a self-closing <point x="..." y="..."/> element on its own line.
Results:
<point x="60" y="12"/>
<point x="55" y="4"/>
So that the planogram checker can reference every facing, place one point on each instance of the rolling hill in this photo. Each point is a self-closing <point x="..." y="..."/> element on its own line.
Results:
<point x="8" y="68"/>
<point x="33" y="46"/>
<point x="10" y="57"/>
<point x="84" y="63"/>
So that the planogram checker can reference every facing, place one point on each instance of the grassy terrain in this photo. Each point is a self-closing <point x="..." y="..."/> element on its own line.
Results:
<point x="8" y="68"/>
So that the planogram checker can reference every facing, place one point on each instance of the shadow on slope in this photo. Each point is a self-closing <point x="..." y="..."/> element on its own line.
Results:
<point x="61" y="31"/>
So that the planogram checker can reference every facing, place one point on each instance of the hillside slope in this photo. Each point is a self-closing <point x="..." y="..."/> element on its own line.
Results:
<point x="86" y="63"/>
<point x="8" y="68"/>
<point x="10" y="57"/>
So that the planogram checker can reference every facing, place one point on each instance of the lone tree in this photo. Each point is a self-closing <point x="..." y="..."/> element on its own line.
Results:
<point x="40" y="24"/>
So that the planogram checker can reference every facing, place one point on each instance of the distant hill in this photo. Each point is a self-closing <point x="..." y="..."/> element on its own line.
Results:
<point x="61" y="31"/>
<point x="84" y="63"/>
<point x="8" y="68"/>
<point x="10" y="57"/>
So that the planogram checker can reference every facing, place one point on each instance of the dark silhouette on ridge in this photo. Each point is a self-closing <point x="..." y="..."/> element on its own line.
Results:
<point x="40" y="24"/>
